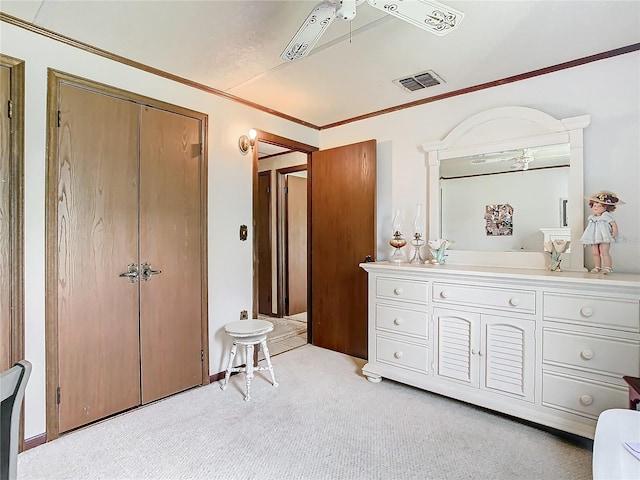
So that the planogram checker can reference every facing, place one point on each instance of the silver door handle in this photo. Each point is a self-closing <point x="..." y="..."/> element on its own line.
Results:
<point x="131" y="274"/>
<point x="147" y="271"/>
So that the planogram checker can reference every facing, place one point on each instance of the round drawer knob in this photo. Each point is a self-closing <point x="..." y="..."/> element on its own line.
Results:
<point x="397" y="291"/>
<point x="586" y="354"/>
<point x="586" y="311"/>
<point x="444" y="294"/>
<point x="397" y="354"/>
<point x="586" y="400"/>
<point x="514" y="302"/>
<point x="397" y="321"/>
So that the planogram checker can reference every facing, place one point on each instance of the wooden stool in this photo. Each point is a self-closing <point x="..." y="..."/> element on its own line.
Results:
<point x="248" y="333"/>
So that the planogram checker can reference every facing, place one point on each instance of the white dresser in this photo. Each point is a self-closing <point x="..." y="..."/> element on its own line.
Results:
<point x="549" y="347"/>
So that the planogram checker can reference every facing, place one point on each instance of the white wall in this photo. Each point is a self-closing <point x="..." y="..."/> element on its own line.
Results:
<point x="230" y="186"/>
<point x="608" y="90"/>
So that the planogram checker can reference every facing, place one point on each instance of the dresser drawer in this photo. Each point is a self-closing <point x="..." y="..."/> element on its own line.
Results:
<point x="581" y="396"/>
<point x="406" y="290"/>
<point x="618" y="313"/>
<point x="402" y="320"/>
<point x="504" y="299"/>
<point x="608" y="355"/>
<point x="407" y="355"/>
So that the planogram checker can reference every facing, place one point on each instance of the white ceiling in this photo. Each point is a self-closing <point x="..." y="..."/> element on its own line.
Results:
<point x="235" y="46"/>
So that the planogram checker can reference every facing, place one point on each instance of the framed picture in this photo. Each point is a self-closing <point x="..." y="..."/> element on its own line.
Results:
<point x="499" y="219"/>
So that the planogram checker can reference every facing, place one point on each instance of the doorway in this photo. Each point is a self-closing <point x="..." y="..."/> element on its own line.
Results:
<point x="340" y="235"/>
<point x="281" y="236"/>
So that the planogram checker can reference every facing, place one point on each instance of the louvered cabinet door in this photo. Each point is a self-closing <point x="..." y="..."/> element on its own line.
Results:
<point x="507" y="355"/>
<point x="457" y="345"/>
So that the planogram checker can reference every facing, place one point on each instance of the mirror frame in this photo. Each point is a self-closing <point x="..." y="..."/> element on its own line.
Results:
<point x="509" y="128"/>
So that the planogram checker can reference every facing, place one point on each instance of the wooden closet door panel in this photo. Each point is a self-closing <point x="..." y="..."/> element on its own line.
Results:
<point x="5" y="225"/>
<point x="263" y="236"/>
<point x="170" y="302"/>
<point x="97" y="236"/>
<point x="297" y="243"/>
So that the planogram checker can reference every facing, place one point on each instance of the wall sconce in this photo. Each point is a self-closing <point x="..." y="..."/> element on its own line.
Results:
<point x="245" y="142"/>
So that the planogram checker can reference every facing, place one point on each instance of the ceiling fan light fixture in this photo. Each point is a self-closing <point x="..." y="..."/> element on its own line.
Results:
<point x="429" y="15"/>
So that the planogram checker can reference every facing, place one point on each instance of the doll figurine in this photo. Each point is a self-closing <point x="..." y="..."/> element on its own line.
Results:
<point x="601" y="230"/>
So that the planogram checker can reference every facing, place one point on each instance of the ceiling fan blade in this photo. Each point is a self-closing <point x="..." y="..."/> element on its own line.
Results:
<point x="426" y="14"/>
<point x="310" y="32"/>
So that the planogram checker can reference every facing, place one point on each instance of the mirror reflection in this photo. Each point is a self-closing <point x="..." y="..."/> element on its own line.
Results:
<point x="504" y="201"/>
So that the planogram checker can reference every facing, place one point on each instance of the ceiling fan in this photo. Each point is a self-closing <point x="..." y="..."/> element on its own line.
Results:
<point x="520" y="159"/>
<point x="429" y="15"/>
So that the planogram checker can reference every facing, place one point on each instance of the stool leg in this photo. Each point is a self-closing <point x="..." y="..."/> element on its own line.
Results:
<point x="265" y="349"/>
<point x="229" y="365"/>
<point x="249" y="374"/>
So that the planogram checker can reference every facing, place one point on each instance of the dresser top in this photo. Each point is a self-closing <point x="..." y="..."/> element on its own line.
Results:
<point x="448" y="270"/>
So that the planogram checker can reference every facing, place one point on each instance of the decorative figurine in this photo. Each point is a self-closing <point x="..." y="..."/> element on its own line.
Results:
<point x="438" y="249"/>
<point x="556" y="248"/>
<point x="602" y="230"/>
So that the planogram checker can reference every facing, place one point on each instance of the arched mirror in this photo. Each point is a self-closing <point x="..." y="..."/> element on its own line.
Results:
<point x="504" y="181"/>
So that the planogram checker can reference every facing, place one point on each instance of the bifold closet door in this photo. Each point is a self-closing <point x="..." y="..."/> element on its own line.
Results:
<point x="97" y="236"/>
<point x="170" y="225"/>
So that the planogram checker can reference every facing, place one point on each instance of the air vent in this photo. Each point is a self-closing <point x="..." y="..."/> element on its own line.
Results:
<point x="419" y="81"/>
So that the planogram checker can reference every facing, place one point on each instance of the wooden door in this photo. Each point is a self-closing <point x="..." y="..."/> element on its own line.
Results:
<point x="5" y="223"/>
<point x="343" y="186"/>
<point x="96" y="238"/>
<point x="296" y="244"/>
<point x="170" y="224"/>
<point x="263" y="236"/>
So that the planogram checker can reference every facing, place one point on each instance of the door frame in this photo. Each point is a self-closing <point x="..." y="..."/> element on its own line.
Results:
<point x="293" y="145"/>
<point x="282" y="235"/>
<point x="16" y="214"/>
<point x="54" y="79"/>
<point x="16" y="207"/>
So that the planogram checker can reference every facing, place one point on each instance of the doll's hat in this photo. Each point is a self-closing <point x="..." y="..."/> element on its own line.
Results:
<point x="605" y="198"/>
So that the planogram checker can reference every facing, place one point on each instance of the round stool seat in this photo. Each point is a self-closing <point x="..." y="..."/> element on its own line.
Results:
<point x="248" y="333"/>
<point x="248" y="328"/>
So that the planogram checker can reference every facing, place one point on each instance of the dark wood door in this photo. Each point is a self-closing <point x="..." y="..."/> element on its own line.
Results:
<point x="296" y="244"/>
<point x="263" y="236"/>
<point x="343" y="186"/>
<point x="97" y="236"/>
<point x="170" y="225"/>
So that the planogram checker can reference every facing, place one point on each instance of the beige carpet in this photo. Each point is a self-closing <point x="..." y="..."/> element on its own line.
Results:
<point x="324" y="421"/>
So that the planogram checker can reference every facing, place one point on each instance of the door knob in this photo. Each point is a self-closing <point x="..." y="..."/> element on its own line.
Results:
<point x="131" y="274"/>
<point x="147" y="271"/>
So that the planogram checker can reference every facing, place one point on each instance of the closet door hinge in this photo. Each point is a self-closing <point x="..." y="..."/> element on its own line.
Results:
<point x="286" y="190"/>
<point x="59" y="117"/>
<point x="9" y="110"/>
<point x="202" y="355"/>
<point x="201" y="148"/>
<point x="269" y="190"/>
<point x="58" y="395"/>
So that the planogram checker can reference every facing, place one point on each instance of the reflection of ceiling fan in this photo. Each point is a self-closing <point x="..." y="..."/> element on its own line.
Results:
<point x="520" y="159"/>
<point x="426" y="14"/>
